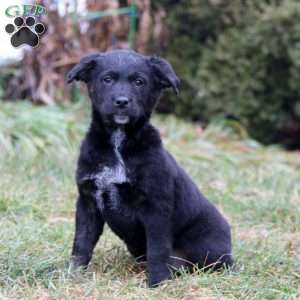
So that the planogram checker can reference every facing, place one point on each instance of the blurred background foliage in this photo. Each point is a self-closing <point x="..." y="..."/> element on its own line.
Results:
<point x="238" y="60"/>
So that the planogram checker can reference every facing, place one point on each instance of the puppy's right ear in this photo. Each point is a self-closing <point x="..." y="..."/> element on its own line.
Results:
<point x="164" y="73"/>
<point x="83" y="69"/>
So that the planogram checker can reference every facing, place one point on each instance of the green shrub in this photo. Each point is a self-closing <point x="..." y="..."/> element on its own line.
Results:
<point x="253" y="73"/>
<point x="240" y="59"/>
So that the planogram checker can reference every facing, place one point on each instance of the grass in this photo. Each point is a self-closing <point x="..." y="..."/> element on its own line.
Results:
<point x="257" y="188"/>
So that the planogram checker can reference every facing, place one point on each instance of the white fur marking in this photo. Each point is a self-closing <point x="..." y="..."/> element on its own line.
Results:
<point x="109" y="176"/>
<point x="122" y="61"/>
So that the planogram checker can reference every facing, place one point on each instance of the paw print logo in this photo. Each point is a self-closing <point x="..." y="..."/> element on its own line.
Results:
<point x="25" y="31"/>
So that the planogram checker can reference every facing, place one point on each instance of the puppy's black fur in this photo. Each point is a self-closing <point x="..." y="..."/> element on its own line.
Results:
<point x="128" y="180"/>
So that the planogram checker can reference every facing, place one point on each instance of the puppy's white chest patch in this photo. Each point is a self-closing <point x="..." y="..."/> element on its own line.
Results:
<point x="107" y="179"/>
<point x="110" y="175"/>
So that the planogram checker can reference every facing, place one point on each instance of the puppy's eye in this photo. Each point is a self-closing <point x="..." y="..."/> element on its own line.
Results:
<point x="107" y="79"/>
<point x="139" y="81"/>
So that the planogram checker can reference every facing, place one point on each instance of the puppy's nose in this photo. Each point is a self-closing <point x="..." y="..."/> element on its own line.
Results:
<point x="121" y="101"/>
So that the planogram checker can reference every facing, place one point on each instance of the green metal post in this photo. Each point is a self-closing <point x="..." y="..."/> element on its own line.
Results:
<point x="131" y="11"/>
<point x="132" y="25"/>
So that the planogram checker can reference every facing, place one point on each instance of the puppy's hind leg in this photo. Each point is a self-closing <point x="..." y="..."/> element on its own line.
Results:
<point x="207" y="245"/>
<point x="209" y="253"/>
<point x="178" y="261"/>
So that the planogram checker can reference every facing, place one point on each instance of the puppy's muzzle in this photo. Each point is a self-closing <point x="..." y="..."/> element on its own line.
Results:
<point x="121" y="102"/>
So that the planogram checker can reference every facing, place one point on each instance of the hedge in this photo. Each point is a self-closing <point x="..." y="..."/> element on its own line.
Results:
<point x="238" y="59"/>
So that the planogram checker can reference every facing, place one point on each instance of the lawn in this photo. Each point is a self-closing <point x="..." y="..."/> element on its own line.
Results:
<point x="256" y="187"/>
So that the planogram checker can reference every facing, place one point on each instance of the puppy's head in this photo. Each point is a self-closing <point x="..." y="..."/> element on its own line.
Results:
<point x="123" y="85"/>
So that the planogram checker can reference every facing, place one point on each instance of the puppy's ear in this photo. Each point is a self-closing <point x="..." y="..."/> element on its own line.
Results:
<point x="83" y="69"/>
<point x="164" y="73"/>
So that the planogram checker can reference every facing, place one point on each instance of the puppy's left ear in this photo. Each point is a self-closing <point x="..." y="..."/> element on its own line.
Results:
<point x="164" y="73"/>
<point x="82" y="70"/>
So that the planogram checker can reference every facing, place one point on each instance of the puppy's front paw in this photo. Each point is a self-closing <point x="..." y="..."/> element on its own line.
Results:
<point x="78" y="262"/>
<point x="155" y="279"/>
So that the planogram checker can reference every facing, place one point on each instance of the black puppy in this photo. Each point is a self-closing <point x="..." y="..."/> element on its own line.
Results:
<point x="127" y="179"/>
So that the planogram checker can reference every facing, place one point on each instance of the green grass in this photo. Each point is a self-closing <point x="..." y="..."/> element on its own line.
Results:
<point x="257" y="188"/>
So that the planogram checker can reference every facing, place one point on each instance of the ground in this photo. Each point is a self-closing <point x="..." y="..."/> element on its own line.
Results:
<point x="257" y="189"/>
